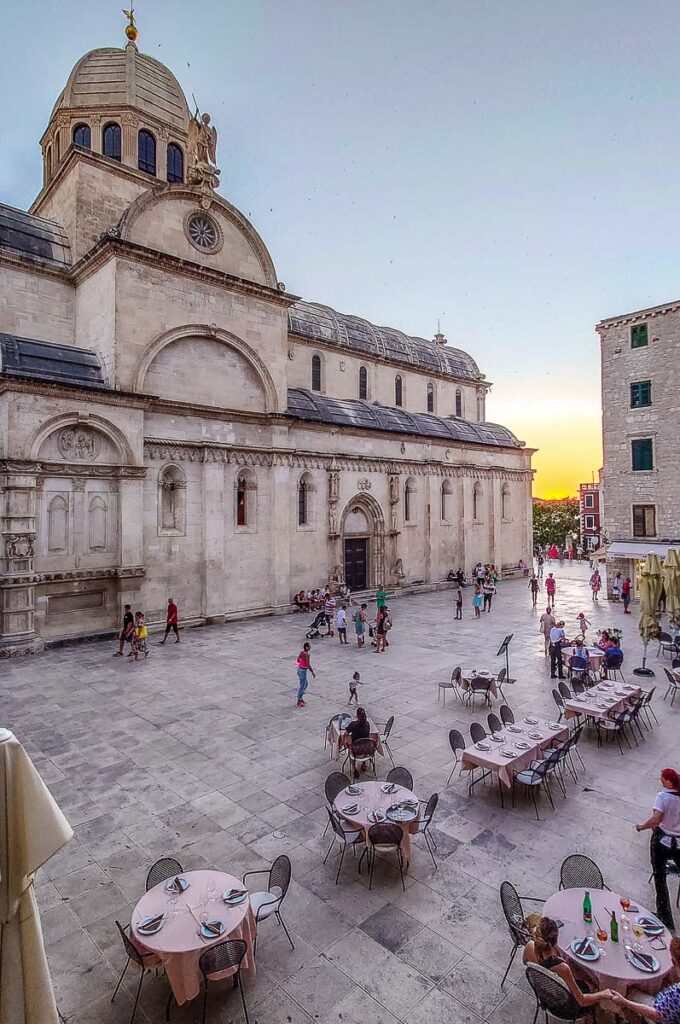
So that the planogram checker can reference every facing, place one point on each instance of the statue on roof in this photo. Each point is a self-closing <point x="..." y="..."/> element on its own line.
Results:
<point x="202" y="152"/>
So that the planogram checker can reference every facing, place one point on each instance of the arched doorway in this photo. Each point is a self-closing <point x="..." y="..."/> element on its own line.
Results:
<point x="363" y="543"/>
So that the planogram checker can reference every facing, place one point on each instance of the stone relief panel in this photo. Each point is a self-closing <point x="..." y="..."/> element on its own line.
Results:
<point x="171" y="502"/>
<point x="77" y="524"/>
<point x="97" y="516"/>
<point x="80" y="444"/>
<point x="57" y="523"/>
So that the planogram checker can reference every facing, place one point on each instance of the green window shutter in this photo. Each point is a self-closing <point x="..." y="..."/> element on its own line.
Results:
<point x="640" y="394"/>
<point x="642" y="454"/>
<point x="638" y="336"/>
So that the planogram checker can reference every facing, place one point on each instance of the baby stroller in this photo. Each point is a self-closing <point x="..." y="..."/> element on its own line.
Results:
<point x="317" y="628"/>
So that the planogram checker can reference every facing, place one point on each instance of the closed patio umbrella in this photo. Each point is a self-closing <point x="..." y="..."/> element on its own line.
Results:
<point x="671" y="582"/>
<point x="32" y="829"/>
<point x="649" y="592"/>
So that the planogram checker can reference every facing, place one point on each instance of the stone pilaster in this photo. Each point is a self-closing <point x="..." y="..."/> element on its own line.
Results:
<point x="17" y="578"/>
<point x="216" y="492"/>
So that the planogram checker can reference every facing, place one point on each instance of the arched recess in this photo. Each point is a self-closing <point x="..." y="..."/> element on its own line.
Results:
<point x="87" y="426"/>
<point x="364" y="547"/>
<point x="171" y="501"/>
<point x="218" y="206"/>
<point x="245" y="501"/>
<point x="506" y="503"/>
<point x="215" y="334"/>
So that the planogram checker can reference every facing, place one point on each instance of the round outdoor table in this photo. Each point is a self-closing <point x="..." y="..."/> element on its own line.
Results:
<point x="372" y="798"/>
<point x="612" y="970"/>
<point x="178" y="944"/>
<point x="595" y="656"/>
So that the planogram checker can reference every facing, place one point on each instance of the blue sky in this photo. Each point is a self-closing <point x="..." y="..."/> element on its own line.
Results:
<point x="510" y="168"/>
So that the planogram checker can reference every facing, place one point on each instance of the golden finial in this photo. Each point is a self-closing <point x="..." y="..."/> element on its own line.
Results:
<point x="131" y="29"/>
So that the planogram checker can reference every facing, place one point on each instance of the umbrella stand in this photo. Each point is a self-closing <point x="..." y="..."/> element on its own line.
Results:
<point x="643" y="670"/>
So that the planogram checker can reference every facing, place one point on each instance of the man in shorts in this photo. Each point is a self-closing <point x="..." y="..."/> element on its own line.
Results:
<point x="126" y="632"/>
<point x="171" y="621"/>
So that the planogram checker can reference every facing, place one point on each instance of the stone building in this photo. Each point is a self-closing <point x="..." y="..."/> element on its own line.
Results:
<point x="640" y="357"/>
<point x="590" y="509"/>
<point x="175" y="422"/>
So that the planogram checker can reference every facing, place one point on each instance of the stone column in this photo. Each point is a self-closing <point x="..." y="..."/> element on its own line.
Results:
<point x="131" y="534"/>
<point x="80" y="523"/>
<point x="282" y="490"/>
<point x="217" y="491"/>
<point x="432" y="518"/>
<point x="17" y="578"/>
<point x="470" y="553"/>
<point x="496" y="523"/>
<point x="335" y="554"/>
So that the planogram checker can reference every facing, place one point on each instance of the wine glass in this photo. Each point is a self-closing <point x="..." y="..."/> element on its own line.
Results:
<point x="602" y="937"/>
<point x="212" y="890"/>
<point x="625" y="903"/>
<point x="638" y="932"/>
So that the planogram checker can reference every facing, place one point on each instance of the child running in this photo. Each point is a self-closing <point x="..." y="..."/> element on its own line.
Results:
<point x="583" y="624"/>
<point x="353" y="683"/>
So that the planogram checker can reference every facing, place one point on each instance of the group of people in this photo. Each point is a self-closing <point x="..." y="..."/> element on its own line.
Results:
<point x="315" y="600"/>
<point x="134" y="631"/>
<point x="555" y="640"/>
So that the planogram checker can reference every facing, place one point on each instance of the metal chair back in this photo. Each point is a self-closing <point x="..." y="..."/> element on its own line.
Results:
<point x="564" y="690"/>
<point x="477" y="732"/>
<point x="130" y="949"/>
<point x="552" y="995"/>
<point x="580" y="872"/>
<point x="456" y="742"/>
<point x="401" y="777"/>
<point x="507" y="717"/>
<point x="385" y="834"/>
<point x="494" y="722"/>
<point x="457" y="674"/>
<point x="388" y="728"/>
<point x="222" y="957"/>
<point x="166" y="867"/>
<point x="279" y="875"/>
<point x="334" y="784"/>
<point x="514" y="914"/>
<point x="430" y="808"/>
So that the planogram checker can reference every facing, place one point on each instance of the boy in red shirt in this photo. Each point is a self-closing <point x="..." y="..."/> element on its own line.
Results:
<point x="171" y="621"/>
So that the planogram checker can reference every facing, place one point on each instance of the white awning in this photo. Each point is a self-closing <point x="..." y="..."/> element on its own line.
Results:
<point x="638" y="549"/>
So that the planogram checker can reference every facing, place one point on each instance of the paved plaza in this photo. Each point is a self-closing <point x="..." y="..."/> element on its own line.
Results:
<point x="199" y="752"/>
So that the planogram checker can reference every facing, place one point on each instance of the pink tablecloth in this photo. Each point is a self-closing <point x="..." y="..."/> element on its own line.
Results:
<point x="612" y="970"/>
<point x="178" y="944"/>
<point x="597" y="700"/>
<point x="595" y="656"/>
<point x="494" y="760"/>
<point x="338" y="738"/>
<point x="468" y="675"/>
<point x="372" y="798"/>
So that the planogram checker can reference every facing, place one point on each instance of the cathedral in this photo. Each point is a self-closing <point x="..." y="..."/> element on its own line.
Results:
<point x="175" y="422"/>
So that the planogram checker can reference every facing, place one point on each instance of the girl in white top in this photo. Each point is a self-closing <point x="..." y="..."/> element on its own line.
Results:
<point x="665" y="845"/>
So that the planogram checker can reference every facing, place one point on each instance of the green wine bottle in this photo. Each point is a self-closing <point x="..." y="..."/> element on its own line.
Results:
<point x="614" y="928"/>
<point x="587" y="909"/>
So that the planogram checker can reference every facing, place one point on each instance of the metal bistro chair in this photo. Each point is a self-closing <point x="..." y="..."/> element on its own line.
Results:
<point x="511" y="902"/>
<point x="647" y="708"/>
<point x="612" y="666"/>
<point x="448" y="684"/>
<point x="424" y="826"/>
<point x="535" y="775"/>
<point x="334" y="784"/>
<point x="580" y="872"/>
<point x="145" y="961"/>
<point x="223" y="957"/>
<point x="360" y="754"/>
<point x="666" y="644"/>
<point x="507" y="717"/>
<point x="559" y="701"/>
<point x="400" y="777"/>
<point x="385" y="736"/>
<point x="571" y="747"/>
<point x="673" y="685"/>
<point x="477" y="732"/>
<point x="576" y="667"/>
<point x="614" y="725"/>
<point x="268" y="902"/>
<point x="579" y="687"/>
<point x="345" y="836"/>
<point x="494" y="722"/>
<point x="500" y="679"/>
<point x="457" y="743"/>
<point x="553" y="996"/>
<point x="479" y="685"/>
<point x="384" y="838"/>
<point x="166" y="867"/>
<point x="564" y="690"/>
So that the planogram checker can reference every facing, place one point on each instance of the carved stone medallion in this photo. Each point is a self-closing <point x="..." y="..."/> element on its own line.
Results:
<point x="78" y="444"/>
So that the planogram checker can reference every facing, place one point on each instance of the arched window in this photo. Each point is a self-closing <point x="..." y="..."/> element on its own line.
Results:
<point x="57" y="524"/>
<point x="48" y="160"/>
<point x="316" y="373"/>
<point x="246" y="498"/>
<point x="477" y="502"/>
<point x="175" y="163"/>
<point x="111" y="140"/>
<point x="146" y="152"/>
<point x="97" y="516"/>
<point x="305" y="496"/>
<point x="398" y="391"/>
<point x="505" y="503"/>
<point x="459" y="402"/>
<point x="82" y="136"/>
<point x="430" y="397"/>
<point x="171" y="502"/>
<point x="363" y="382"/>
<point x="447" y="492"/>
<point x="409" y="500"/>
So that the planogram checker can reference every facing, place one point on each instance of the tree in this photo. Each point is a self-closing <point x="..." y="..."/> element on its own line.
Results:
<point x="553" y="520"/>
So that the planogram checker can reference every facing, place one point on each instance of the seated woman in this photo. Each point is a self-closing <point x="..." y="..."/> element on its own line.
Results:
<point x="301" y="602"/>
<point x="542" y="950"/>
<point x="605" y="641"/>
<point x="666" y="1005"/>
<point x="360" y="728"/>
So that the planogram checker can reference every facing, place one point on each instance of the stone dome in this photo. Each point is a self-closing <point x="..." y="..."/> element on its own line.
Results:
<point x="114" y="78"/>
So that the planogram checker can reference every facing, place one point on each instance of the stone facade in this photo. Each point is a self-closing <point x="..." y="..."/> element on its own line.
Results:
<point x="157" y="451"/>
<point x="640" y="403"/>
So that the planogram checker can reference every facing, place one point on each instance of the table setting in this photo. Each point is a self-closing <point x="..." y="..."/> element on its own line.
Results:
<point x="468" y="674"/>
<point x="595" y="655"/>
<point x="634" y="953"/>
<point x="514" y="748"/>
<point x="183" y="915"/>
<point x="599" y="701"/>
<point x="363" y="804"/>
